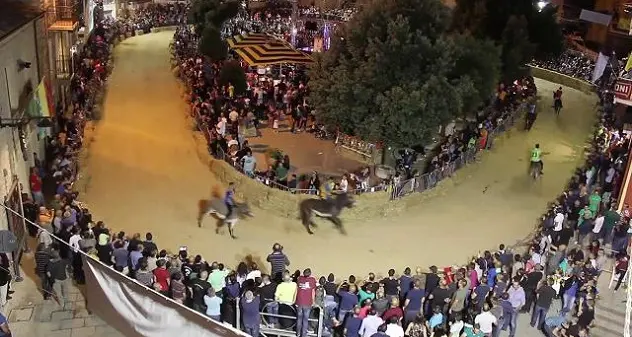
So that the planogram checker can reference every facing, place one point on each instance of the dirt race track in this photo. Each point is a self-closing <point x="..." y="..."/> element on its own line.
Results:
<point x="146" y="170"/>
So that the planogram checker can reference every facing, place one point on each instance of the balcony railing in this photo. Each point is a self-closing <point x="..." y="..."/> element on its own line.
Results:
<point x="63" y="67"/>
<point x="67" y="11"/>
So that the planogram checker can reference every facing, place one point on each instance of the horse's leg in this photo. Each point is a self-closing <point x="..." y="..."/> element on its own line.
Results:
<point x="306" y="216"/>
<point x="218" y="225"/>
<point x="200" y="217"/>
<point x="231" y="227"/>
<point x="338" y="223"/>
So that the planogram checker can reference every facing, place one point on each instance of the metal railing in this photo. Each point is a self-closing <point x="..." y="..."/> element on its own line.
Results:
<point x="63" y="67"/>
<point x="279" y="319"/>
<point x="396" y="190"/>
<point x="64" y="10"/>
<point x="431" y="179"/>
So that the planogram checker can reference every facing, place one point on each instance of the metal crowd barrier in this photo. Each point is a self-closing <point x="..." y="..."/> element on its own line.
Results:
<point x="283" y="323"/>
<point x="429" y="180"/>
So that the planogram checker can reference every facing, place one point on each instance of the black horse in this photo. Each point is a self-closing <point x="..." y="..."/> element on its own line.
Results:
<point x="329" y="209"/>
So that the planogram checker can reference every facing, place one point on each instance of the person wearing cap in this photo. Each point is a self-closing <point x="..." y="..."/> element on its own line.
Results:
<point x="278" y="262"/>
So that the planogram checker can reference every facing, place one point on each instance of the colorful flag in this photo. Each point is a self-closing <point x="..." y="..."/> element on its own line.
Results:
<point x="628" y="65"/>
<point x="43" y="99"/>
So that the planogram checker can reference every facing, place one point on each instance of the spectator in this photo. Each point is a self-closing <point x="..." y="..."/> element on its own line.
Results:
<point x="213" y="304"/>
<point x="250" y="313"/>
<point x="278" y="262"/>
<point x="305" y="292"/>
<point x="56" y="271"/>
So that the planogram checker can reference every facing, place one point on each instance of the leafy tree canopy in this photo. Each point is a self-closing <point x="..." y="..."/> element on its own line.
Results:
<point x="394" y="73"/>
<point x="208" y="16"/>
<point x="233" y="73"/>
<point x="504" y="21"/>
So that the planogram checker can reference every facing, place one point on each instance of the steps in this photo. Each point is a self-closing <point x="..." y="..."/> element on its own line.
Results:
<point x="609" y="314"/>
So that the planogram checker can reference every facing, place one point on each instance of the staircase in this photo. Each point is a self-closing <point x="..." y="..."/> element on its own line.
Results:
<point x="609" y="310"/>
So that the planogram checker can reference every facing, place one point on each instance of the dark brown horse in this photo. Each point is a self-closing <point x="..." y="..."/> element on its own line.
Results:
<point x="325" y="208"/>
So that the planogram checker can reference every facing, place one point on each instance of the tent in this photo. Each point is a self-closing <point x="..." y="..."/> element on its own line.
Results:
<point x="262" y="50"/>
<point x="248" y="40"/>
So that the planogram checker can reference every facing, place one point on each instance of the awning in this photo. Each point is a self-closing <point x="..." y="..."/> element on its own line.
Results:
<point x="248" y="40"/>
<point x="263" y="50"/>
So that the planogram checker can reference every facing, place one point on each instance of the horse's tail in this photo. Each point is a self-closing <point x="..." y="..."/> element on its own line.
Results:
<point x="217" y="191"/>
<point x="203" y="206"/>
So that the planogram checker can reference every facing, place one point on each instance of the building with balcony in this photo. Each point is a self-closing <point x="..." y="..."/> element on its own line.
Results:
<point x="63" y="21"/>
<point x="23" y="69"/>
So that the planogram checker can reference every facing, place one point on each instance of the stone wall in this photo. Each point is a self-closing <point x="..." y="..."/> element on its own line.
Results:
<point x="563" y="80"/>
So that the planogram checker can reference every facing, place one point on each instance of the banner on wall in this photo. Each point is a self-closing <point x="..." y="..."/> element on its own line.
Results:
<point x="137" y="311"/>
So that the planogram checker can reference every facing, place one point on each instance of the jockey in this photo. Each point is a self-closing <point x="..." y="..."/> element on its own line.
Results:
<point x="327" y="188"/>
<point x="229" y="199"/>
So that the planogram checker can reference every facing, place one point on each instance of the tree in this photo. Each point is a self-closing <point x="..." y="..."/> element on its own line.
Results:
<point x="517" y="49"/>
<point x="498" y="19"/>
<point x="393" y="73"/>
<point x="208" y="17"/>
<point x="480" y="59"/>
<point x="212" y="45"/>
<point x="233" y="73"/>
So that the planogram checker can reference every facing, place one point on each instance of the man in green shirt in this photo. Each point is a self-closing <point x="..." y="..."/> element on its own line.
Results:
<point x="473" y="331"/>
<point x="281" y="174"/>
<point x="611" y="218"/>
<point x="536" y="157"/>
<point x="594" y="201"/>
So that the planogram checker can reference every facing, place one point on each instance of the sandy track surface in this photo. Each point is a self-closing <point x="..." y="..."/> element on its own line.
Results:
<point x="143" y="173"/>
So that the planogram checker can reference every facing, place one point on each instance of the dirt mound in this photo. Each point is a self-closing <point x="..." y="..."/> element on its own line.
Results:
<point x="282" y="203"/>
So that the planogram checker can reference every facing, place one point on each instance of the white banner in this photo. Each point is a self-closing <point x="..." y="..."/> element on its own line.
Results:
<point x="600" y="67"/>
<point x="136" y="311"/>
<point x="595" y="17"/>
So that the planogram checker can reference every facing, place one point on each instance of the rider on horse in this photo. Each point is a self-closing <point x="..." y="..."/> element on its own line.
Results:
<point x="536" y="157"/>
<point x="328" y="188"/>
<point x="229" y="199"/>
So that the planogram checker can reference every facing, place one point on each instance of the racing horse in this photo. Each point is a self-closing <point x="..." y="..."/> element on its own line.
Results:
<point x="329" y="209"/>
<point x="217" y="208"/>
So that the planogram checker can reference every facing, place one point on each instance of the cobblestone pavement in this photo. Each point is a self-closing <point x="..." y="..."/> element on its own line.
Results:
<point x="31" y="316"/>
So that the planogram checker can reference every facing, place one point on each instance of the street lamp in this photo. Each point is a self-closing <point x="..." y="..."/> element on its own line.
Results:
<point x="541" y="5"/>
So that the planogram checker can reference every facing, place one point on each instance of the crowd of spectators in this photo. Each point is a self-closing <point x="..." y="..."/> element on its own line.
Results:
<point x="334" y="14"/>
<point x="570" y="63"/>
<point x="481" y="298"/>
<point x="153" y="15"/>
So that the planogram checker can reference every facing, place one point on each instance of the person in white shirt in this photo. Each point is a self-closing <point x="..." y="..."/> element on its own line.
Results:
<point x="254" y="272"/>
<point x="370" y="324"/>
<point x="221" y="125"/>
<point x="393" y="329"/>
<point x="486" y="320"/>
<point x="558" y="221"/>
<point x="74" y="239"/>
<point x="457" y="326"/>
<point x="598" y="225"/>
<point x="344" y="183"/>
